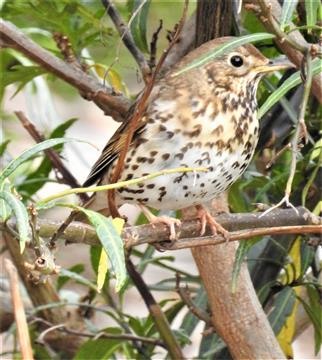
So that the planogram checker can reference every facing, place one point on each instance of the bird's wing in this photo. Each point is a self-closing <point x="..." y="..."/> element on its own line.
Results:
<point x="112" y="151"/>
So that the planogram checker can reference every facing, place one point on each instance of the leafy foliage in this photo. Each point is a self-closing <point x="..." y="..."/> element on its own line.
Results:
<point x="287" y="265"/>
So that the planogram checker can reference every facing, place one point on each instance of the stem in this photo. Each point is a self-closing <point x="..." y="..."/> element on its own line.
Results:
<point x="118" y="184"/>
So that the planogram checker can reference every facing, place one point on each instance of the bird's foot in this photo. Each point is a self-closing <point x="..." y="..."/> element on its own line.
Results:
<point x="167" y="220"/>
<point x="170" y="222"/>
<point x="207" y="219"/>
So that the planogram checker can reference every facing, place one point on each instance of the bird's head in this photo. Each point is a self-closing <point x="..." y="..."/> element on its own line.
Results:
<point x="242" y="67"/>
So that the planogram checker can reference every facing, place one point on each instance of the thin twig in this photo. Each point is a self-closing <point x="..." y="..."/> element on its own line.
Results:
<point x="267" y="13"/>
<point x="277" y="155"/>
<point x="186" y="298"/>
<point x="102" y="334"/>
<point x="19" y="312"/>
<point x="89" y="87"/>
<point x="160" y="320"/>
<point x="67" y="51"/>
<point x="153" y="45"/>
<point x="66" y="175"/>
<point x="300" y="132"/>
<point x="127" y="39"/>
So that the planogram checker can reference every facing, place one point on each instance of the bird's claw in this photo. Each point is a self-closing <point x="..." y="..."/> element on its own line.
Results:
<point x="207" y="219"/>
<point x="171" y="223"/>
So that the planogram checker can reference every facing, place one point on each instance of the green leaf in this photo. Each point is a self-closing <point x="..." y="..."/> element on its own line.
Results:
<point x="20" y="74"/>
<point x="283" y="306"/>
<point x="138" y="24"/>
<point x="102" y="349"/>
<point x="21" y="215"/>
<point x="61" y="129"/>
<point x="62" y="280"/>
<point x="210" y="345"/>
<point x="75" y="276"/>
<point x="307" y="256"/>
<point x="26" y="155"/>
<point x="289" y="84"/>
<point x="5" y="209"/>
<point x="287" y="11"/>
<point x="223" y="49"/>
<point x="311" y="8"/>
<point x="111" y="242"/>
<point x="241" y="253"/>
<point x="3" y="146"/>
<point x="313" y="310"/>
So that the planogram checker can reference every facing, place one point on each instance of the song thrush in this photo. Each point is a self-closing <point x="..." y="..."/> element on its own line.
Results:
<point x="206" y="117"/>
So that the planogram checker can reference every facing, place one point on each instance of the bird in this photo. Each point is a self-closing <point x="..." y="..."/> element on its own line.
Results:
<point x="203" y="116"/>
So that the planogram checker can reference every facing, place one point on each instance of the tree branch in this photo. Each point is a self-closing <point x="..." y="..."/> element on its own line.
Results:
<point x="67" y="176"/>
<point x="242" y="227"/>
<point x="112" y="104"/>
<point x="127" y="39"/>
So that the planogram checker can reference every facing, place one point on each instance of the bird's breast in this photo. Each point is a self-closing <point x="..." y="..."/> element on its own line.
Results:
<point x="223" y="143"/>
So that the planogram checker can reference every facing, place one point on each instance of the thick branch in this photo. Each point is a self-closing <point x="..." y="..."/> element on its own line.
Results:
<point x="242" y="226"/>
<point x="237" y="317"/>
<point x="112" y="104"/>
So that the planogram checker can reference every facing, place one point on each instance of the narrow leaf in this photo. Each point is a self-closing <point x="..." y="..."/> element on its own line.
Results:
<point x="3" y="146"/>
<point x="26" y="155"/>
<point x="108" y="231"/>
<point x="62" y="280"/>
<point x="283" y="307"/>
<point x="138" y="25"/>
<point x="223" y="49"/>
<point x="287" y="12"/>
<point x="5" y="209"/>
<point x="241" y="253"/>
<point x="313" y="311"/>
<point x="102" y="269"/>
<point x="21" y="215"/>
<point x="21" y="74"/>
<point x="80" y="279"/>
<point x="311" y="8"/>
<point x="289" y="84"/>
<point x="102" y="349"/>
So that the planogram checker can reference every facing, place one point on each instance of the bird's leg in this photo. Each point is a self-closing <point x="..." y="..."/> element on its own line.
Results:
<point x="167" y="220"/>
<point x="207" y="219"/>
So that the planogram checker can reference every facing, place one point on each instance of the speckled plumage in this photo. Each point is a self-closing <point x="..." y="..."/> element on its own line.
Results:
<point x="203" y="117"/>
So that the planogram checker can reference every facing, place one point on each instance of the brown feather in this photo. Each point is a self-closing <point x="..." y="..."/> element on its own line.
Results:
<point x="111" y="151"/>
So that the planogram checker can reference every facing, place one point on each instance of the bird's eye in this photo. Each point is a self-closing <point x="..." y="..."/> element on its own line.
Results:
<point x="236" y="61"/>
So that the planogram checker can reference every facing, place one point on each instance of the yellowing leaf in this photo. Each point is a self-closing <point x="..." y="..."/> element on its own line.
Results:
<point x="109" y="231"/>
<point x="286" y="334"/>
<point x="118" y="224"/>
<point x="115" y="80"/>
<point x="293" y="269"/>
<point x="112" y="77"/>
<point x="102" y="270"/>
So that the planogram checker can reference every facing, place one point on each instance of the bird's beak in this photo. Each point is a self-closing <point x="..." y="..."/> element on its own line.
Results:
<point x="280" y="63"/>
